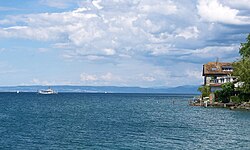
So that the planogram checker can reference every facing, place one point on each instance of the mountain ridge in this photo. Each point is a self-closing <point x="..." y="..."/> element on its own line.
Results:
<point x="186" y="89"/>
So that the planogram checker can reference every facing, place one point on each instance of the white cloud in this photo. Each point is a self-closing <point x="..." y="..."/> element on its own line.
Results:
<point x="240" y="4"/>
<point x="109" y="77"/>
<point x="214" y="11"/>
<point x="30" y="33"/>
<point x="94" y="57"/>
<point x="40" y="82"/>
<point x="58" y="3"/>
<point x="211" y="53"/>
<point x="136" y="37"/>
<point x="109" y="51"/>
<point x="159" y="49"/>
<point x="142" y="29"/>
<point x="87" y="77"/>
<point x="189" y="32"/>
<point x="96" y="3"/>
<point x="90" y="30"/>
<point x="158" y="6"/>
<point x="98" y="77"/>
<point x="45" y="82"/>
<point x="197" y="74"/>
<point x="148" y="78"/>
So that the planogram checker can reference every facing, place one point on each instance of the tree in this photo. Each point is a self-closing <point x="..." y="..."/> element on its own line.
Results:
<point x="226" y="92"/>
<point x="205" y="90"/>
<point x="242" y="69"/>
<point x="242" y="72"/>
<point x="245" y="48"/>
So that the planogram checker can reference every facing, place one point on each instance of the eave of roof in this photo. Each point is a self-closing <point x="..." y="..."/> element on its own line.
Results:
<point x="215" y="85"/>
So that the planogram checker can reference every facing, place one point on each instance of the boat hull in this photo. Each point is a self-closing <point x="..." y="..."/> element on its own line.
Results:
<point x="47" y="92"/>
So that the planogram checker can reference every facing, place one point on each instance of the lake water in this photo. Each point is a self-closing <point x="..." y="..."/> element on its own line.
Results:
<point x="117" y="121"/>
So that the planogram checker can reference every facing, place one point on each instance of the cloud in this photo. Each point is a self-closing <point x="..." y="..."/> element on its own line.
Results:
<point x="87" y="77"/>
<point x="36" y="81"/>
<point x="214" y="11"/>
<point x="93" y="77"/>
<point x="61" y="4"/>
<point x="96" y="3"/>
<point x="27" y="32"/>
<point x="39" y="82"/>
<point x="157" y="6"/>
<point x="98" y="31"/>
<point x="148" y="78"/>
<point x="211" y="53"/>
<point x="84" y="25"/>
<point x="197" y="74"/>
<point x="109" y="51"/>
<point x="242" y="4"/>
<point x="110" y="77"/>
<point x="132" y="39"/>
<point x="189" y="32"/>
<point x="8" y="9"/>
<point x="100" y="79"/>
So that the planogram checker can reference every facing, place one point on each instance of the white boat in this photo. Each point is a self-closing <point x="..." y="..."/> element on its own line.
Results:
<point x="47" y="92"/>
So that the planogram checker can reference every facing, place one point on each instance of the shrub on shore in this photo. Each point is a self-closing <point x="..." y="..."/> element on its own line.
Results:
<point x="205" y="91"/>
<point x="226" y="92"/>
<point x="235" y="99"/>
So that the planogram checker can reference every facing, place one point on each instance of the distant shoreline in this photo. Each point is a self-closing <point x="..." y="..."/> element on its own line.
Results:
<point x="169" y="94"/>
<point x="104" y="89"/>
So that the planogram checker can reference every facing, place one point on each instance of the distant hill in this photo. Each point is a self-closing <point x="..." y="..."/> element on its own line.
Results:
<point x="188" y="89"/>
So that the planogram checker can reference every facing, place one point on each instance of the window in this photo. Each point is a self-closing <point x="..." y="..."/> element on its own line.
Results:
<point x="227" y="68"/>
<point x="214" y="69"/>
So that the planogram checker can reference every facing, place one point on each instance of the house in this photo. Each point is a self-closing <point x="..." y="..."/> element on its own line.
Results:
<point x="217" y="73"/>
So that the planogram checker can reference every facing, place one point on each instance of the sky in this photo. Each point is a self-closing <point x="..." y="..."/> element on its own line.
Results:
<point x="146" y="43"/>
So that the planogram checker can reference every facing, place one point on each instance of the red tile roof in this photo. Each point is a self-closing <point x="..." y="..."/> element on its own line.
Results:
<point x="215" y="68"/>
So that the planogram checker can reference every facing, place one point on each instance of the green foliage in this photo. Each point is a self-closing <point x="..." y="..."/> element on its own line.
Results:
<point x="226" y="92"/>
<point x="218" y="97"/>
<point x="242" y="70"/>
<point x="205" y="90"/>
<point x="228" y="87"/>
<point x="245" y="48"/>
<point x="244" y="97"/>
<point x="235" y="99"/>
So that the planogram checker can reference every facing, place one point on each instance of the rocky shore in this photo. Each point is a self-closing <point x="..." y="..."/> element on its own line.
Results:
<point x="231" y="105"/>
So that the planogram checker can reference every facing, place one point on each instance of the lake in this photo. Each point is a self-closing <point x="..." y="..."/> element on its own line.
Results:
<point x="118" y="121"/>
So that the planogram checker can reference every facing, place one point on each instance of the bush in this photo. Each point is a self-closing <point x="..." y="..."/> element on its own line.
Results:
<point x="205" y="91"/>
<point x="225" y="94"/>
<point x="244" y="97"/>
<point x="235" y="99"/>
<point x="217" y="96"/>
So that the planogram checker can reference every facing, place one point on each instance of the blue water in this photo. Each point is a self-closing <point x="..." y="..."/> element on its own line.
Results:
<point x="117" y="121"/>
